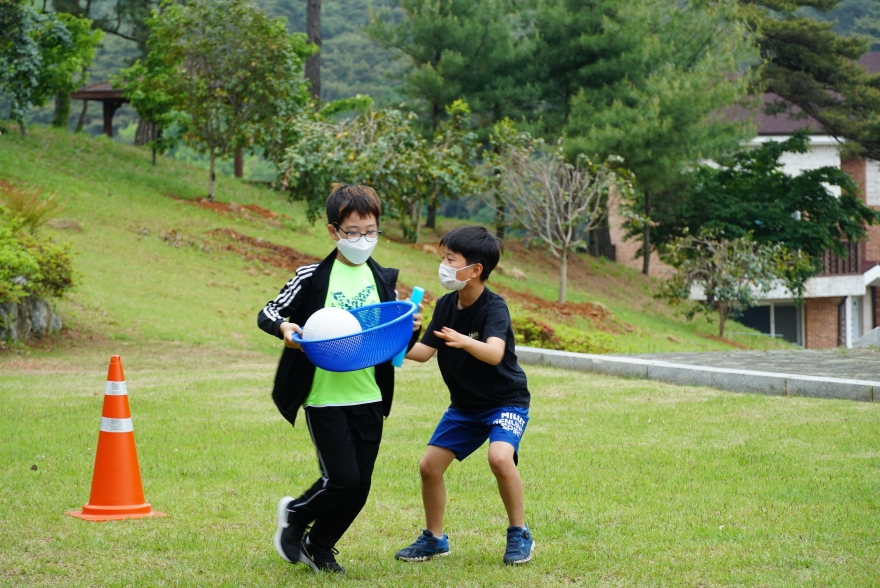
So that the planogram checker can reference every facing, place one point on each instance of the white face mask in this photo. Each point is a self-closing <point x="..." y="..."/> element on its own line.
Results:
<point x="448" y="279"/>
<point x="357" y="252"/>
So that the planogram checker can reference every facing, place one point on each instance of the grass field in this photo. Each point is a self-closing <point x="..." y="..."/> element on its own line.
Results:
<point x="628" y="483"/>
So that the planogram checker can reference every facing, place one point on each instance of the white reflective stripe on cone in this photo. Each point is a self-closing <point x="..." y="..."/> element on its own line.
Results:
<point x="116" y="389"/>
<point x="116" y="425"/>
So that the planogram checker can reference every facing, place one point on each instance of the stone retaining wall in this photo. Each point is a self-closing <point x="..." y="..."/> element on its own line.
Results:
<point x="32" y="317"/>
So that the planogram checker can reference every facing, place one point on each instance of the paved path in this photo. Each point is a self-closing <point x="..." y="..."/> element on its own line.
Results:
<point x="850" y="375"/>
<point x="857" y="364"/>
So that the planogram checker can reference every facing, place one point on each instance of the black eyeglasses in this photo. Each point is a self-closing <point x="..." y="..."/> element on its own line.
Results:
<point x="355" y="236"/>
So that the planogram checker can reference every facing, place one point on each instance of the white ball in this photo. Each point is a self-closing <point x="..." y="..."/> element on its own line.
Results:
<point x="330" y="323"/>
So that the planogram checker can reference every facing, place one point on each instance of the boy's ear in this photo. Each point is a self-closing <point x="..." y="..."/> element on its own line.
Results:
<point x="477" y="270"/>
<point x="332" y="231"/>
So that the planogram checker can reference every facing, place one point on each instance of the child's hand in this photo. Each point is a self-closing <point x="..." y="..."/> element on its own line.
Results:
<point x="417" y="318"/>
<point x="491" y="352"/>
<point x="453" y="338"/>
<point x="287" y="330"/>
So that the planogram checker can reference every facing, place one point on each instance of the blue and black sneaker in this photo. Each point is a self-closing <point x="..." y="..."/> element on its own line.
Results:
<point x="426" y="547"/>
<point x="520" y="545"/>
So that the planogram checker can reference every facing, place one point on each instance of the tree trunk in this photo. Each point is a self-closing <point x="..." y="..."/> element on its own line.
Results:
<point x="418" y="222"/>
<point x="499" y="206"/>
<point x="21" y="127"/>
<point x="211" y="179"/>
<point x="431" y="220"/>
<point x="238" y="163"/>
<point x="722" y="318"/>
<point x="499" y="218"/>
<point x="82" y="117"/>
<point x="62" y="110"/>
<point x="313" y="31"/>
<point x="646" y="237"/>
<point x="563" y="275"/>
<point x="146" y="132"/>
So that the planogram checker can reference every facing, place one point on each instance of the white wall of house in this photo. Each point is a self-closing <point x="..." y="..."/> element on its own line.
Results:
<point x="824" y="152"/>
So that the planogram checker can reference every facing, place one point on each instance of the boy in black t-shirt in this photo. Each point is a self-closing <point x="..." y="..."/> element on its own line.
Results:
<point x="473" y="338"/>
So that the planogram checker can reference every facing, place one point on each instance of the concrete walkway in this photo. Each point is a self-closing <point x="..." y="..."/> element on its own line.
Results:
<point x="858" y="364"/>
<point x="850" y="375"/>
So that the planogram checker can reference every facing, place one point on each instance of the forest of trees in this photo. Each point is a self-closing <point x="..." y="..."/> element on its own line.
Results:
<point x="352" y="62"/>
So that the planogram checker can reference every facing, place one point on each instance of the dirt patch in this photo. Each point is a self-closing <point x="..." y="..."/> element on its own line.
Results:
<point x="227" y="208"/>
<point x="601" y="316"/>
<point x="65" y="224"/>
<point x="251" y="248"/>
<point x="531" y="302"/>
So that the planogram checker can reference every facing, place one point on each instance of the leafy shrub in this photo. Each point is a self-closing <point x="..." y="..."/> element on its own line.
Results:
<point x="15" y="262"/>
<point x="30" y="263"/>
<point x="535" y="333"/>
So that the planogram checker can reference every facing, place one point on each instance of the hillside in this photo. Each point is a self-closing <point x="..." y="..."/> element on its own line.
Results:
<point x="155" y="264"/>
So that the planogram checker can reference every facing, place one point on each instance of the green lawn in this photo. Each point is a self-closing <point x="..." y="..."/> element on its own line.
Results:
<point x="628" y="483"/>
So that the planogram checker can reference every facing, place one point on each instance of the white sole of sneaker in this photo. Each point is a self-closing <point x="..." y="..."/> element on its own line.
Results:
<point x="282" y="524"/>
<point x="303" y="559"/>
<point x="423" y="558"/>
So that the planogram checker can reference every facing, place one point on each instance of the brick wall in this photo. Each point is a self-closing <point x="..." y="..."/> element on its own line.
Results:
<point x="821" y="322"/>
<point x="625" y="251"/>
<point x="857" y="170"/>
<point x="871" y="254"/>
<point x="867" y="175"/>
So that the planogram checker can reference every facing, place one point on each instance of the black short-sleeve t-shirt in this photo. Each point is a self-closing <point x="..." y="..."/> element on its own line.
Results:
<point x="474" y="384"/>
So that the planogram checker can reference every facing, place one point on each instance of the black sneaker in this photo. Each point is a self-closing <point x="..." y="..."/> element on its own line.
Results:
<point x="320" y="559"/>
<point x="289" y="536"/>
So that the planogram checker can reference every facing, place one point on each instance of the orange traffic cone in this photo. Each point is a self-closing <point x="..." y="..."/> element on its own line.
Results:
<point x="117" y="491"/>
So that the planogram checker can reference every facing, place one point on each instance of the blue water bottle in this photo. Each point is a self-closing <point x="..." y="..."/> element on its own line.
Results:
<point x="415" y="298"/>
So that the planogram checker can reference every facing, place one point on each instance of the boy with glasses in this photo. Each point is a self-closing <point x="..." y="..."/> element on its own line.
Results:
<point x="343" y="411"/>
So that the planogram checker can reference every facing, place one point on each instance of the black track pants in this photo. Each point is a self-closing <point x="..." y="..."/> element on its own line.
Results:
<point x="347" y="441"/>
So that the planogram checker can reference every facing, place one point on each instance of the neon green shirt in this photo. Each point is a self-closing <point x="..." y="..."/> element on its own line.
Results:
<point x="350" y="287"/>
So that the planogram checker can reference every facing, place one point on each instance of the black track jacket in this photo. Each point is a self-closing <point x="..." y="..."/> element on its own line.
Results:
<point x="303" y="295"/>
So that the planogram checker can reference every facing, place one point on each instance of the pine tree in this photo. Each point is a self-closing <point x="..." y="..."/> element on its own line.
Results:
<point x="815" y="70"/>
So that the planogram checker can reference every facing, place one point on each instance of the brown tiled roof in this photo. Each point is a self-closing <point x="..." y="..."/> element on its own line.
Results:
<point x="783" y="124"/>
<point x="99" y="91"/>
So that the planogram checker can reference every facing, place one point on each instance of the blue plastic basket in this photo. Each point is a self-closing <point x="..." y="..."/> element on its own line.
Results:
<point x="386" y="328"/>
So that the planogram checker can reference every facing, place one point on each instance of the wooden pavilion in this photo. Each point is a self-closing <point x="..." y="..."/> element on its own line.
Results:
<point x="110" y="99"/>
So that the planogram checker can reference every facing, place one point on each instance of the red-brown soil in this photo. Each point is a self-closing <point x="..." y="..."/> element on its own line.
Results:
<point x="279" y="256"/>
<point x="229" y="207"/>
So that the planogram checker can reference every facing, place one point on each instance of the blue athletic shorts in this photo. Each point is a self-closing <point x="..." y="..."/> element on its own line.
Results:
<point x="462" y="433"/>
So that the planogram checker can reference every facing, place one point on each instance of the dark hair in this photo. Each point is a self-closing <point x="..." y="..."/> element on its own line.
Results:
<point x="345" y="199"/>
<point x="476" y="245"/>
